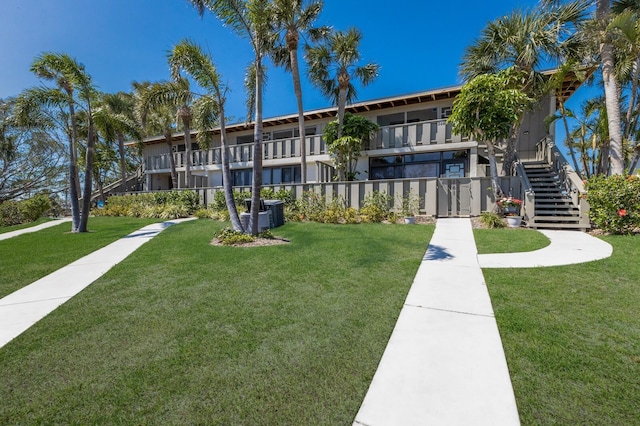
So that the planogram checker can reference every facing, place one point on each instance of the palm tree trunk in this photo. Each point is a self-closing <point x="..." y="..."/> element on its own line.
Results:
<point x="569" y="140"/>
<point x="88" y="178"/>
<point x="226" y="174"/>
<point x="297" y="88"/>
<point x="256" y="184"/>
<point x="123" y="171"/>
<point x="73" y="172"/>
<point x="172" y="160"/>
<point x="186" y="122"/>
<point x="616" y="159"/>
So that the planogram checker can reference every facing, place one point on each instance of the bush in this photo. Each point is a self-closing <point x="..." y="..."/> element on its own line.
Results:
<point x="229" y="237"/>
<point x="17" y="212"/>
<point x="614" y="203"/>
<point x="491" y="220"/>
<point x="10" y="213"/>
<point x="164" y="205"/>
<point x="376" y="207"/>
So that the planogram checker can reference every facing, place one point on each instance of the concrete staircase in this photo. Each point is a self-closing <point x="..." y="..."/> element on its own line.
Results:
<point x="554" y="208"/>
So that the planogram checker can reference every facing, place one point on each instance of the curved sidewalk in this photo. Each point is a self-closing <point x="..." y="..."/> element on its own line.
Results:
<point x="565" y="248"/>
<point x="49" y="224"/>
<point x="23" y="308"/>
<point x="444" y="363"/>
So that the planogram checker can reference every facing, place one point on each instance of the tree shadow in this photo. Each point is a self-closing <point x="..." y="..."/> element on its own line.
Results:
<point x="437" y="253"/>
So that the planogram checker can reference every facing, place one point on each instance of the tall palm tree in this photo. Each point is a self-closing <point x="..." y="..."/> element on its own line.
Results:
<point x="293" y="19"/>
<point x="156" y="119"/>
<point x="70" y="75"/>
<point x="251" y="19"/>
<point x="526" y="41"/>
<point x="333" y="65"/>
<point x="189" y="57"/>
<point x="625" y="28"/>
<point x="171" y="94"/>
<point x="606" y="53"/>
<point x="115" y="120"/>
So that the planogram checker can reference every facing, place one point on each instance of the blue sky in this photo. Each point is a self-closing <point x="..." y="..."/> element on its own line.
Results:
<point x="418" y="43"/>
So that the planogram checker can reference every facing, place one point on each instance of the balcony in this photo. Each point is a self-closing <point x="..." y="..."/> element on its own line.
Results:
<point x="398" y="136"/>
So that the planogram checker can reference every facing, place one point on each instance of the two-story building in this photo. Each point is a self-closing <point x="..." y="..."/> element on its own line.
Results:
<point x="414" y="142"/>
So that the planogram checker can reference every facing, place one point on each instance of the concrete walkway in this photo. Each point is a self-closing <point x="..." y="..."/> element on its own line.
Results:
<point x="565" y="248"/>
<point x="444" y="363"/>
<point x="23" y="308"/>
<point x="49" y="224"/>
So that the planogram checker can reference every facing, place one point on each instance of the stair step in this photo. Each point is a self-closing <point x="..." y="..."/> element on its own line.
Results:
<point x="572" y="226"/>
<point x="554" y="213"/>
<point x="556" y="219"/>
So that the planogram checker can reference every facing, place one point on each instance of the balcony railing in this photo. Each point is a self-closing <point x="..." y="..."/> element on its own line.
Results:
<point x="397" y="136"/>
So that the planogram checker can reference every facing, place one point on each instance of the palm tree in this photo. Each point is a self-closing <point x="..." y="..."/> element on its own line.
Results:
<point x="156" y="119"/>
<point x="294" y="18"/>
<point x="526" y="41"/>
<point x="251" y="19"/>
<point x="115" y="119"/>
<point x="171" y="94"/>
<point x="625" y="29"/>
<point x="606" y="54"/>
<point x="334" y="64"/>
<point x="70" y="75"/>
<point x="189" y="57"/>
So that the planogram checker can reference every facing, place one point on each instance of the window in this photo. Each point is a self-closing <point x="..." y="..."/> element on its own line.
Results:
<point x="279" y="175"/>
<point x="244" y="139"/>
<point x="427" y="164"/>
<point x="390" y="119"/>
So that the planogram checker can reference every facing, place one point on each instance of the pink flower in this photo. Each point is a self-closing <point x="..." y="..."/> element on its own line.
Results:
<point x="622" y="212"/>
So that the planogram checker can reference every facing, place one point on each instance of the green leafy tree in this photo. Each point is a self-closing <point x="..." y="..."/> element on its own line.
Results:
<point x="345" y="149"/>
<point x="189" y="57"/>
<point x="487" y="109"/>
<point x="333" y="66"/>
<point x="527" y="41"/>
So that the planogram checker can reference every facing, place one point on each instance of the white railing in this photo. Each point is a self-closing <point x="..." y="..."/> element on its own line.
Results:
<point x="397" y="136"/>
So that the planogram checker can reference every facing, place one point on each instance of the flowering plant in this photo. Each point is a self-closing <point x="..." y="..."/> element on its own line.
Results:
<point x="510" y="206"/>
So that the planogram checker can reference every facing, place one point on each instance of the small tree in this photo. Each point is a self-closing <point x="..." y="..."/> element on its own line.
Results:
<point x="345" y="149"/>
<point x="487" y="109"/>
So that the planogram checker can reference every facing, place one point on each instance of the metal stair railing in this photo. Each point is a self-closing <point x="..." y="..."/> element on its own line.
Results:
<point x="529" y="196"/>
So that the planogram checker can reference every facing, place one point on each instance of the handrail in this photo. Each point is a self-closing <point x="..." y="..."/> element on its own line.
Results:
<point x="529" y="198"/>
<point x="571" y="183"/>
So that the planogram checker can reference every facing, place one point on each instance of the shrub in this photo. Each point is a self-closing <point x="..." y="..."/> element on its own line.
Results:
<point x="614" y="203"/>
<point x="228" y="237"/>
<point x="491" y="220"/>
<point x="202" y="213"/>
<point x="165" y="205"/>
<point x="35" y="207"/>
<point x="376" y="207"/>
<point x="10" y="213"/>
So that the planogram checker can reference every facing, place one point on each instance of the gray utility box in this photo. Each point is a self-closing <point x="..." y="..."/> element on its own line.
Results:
<point x="276" y="207"/>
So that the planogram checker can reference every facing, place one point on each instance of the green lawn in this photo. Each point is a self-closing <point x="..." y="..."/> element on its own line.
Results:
<point x="29" y="257"/>
<point x="183" y="332"/>
<point x="572" y="338"/>
<point x="509" y="240"/>
<point x="4" y="229"/>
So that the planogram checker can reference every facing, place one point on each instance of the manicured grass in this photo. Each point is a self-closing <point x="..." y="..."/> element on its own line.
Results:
<point x="508" y="240"/>
<point x="183" y="332"/>
<point x="29" y="257"/>
<point x="4" y="229"/>
<point x="572" y="338"/>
